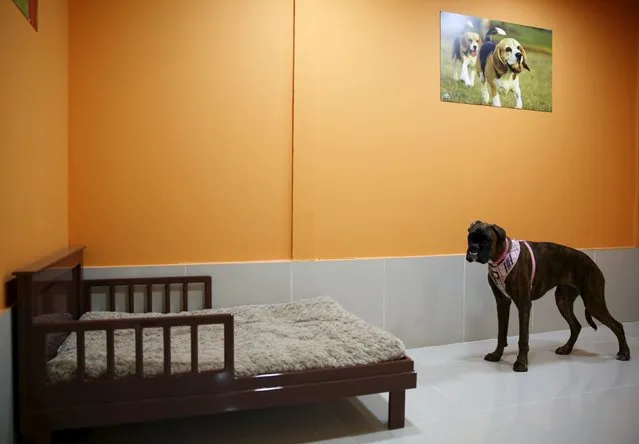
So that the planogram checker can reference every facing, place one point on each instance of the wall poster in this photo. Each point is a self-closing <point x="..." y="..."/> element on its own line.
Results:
<point x="495" y="63"/>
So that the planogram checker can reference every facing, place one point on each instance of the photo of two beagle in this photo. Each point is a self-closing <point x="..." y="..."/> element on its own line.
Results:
<point x="489" y="63"/>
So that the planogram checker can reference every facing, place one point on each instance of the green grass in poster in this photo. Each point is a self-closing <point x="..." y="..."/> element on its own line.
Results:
<point x="536" y="84"/>
<point x="24" y="6"/>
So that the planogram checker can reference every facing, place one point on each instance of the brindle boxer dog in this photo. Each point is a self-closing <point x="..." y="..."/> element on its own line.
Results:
<point x="522" y="272"/>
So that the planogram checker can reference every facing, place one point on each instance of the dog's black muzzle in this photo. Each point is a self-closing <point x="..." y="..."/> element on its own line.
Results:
<point x="472" y="256"/>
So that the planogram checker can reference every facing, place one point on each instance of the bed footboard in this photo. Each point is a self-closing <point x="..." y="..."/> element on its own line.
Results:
<point x="138" y="325"/>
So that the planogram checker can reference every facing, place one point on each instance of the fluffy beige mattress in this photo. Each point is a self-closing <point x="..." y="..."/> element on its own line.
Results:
<point x="301" y="335"/>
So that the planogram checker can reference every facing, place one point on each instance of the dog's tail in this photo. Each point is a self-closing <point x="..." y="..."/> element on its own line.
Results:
<point x="589" y="320"/>
<point x="494" y="31"/>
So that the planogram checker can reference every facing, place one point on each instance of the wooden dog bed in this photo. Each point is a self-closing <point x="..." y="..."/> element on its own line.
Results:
<point x="80" y="368"/>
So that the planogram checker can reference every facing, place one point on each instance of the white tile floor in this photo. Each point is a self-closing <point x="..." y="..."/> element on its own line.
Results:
<point x="588" y="397"/>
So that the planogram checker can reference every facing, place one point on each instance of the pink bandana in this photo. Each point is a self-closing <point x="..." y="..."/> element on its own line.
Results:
<point x="499" y="271"/>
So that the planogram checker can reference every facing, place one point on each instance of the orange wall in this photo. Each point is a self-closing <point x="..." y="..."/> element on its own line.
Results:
<point x="33" y="135"/>
<point x="383" y="168"/>
<point x="180" y="130"/>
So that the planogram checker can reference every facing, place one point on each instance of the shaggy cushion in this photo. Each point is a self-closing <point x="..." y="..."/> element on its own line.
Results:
<point x="302" y="335"/>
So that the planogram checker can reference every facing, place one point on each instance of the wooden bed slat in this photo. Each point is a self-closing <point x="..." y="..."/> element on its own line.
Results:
<point x="111" y="297"/>
<point x="139" y="353"/>
<point x="208" y="298"/>
<point x="131" y="298"/>
<point x="167" y="350"/>
<point x="229" y="346"/>
<point x="40" y="369"/>
<point x="167" y="298"/>
<point x="185" y="296"/>
<point x="149" y="298"/>
<point x="80" y="353"/>
<point x="110" y="335"/>
<point x="194" y="352"/>
<point x="48" y="305"/>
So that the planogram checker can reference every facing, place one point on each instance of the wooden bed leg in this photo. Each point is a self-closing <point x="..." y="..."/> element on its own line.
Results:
<point x="397" y="409"/>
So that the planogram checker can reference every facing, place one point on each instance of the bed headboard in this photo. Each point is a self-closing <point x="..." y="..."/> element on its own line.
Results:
<point x="55" y="286"/>
<point x="51" y="285"/>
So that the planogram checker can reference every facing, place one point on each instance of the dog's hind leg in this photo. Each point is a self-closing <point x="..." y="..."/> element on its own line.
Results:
<point x="595" y="302"/>
<point x="565" y="298"/>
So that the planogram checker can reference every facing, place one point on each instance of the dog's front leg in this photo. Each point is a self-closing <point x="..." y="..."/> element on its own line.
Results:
<point x="524" y="306"/>
<point x="464" y="73"/>
<point x="495" y="95"/>
<point x="519" y="104"/>
<point x="503" y="314"/>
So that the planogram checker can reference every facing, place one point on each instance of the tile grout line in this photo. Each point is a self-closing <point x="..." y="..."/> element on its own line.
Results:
<point x="527" y="403"/>
<point x="290" y="283"/>
<point x="461" y="404"/>
<point x="445" y="395"/>
<point x="344" y="259"/>
<point x="509" y="406"/>
<point x="464" y="303"/>
<point x="384" y="296"/>
<point x="601" y="390"/>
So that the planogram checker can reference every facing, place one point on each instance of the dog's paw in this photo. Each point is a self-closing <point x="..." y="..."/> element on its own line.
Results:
<point x="564" y="350"/>
<point x="493" y="357"/>
<point x="520" y="366"/>
<point x="623" y="355"/>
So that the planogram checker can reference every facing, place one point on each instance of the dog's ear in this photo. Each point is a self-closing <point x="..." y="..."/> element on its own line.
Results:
<point x="499" y="231"/>
<point x="524" y="62"/>
<point x="470" y="228"/>
<point x="500" y="66"/>
<point x="464" y="42"/>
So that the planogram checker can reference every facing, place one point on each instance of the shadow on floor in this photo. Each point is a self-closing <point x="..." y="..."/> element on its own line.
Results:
<point x="287" y="425"/>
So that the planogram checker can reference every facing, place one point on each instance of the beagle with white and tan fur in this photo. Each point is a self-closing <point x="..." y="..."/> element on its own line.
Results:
<point x="465" y="49"/>
<point x="499" y="67"/>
